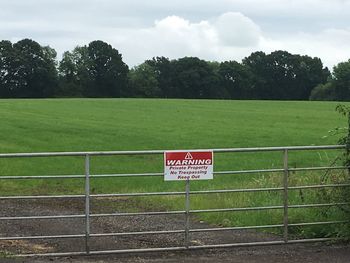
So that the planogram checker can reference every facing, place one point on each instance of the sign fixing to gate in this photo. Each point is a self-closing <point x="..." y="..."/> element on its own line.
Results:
<point x="192" y="165"/>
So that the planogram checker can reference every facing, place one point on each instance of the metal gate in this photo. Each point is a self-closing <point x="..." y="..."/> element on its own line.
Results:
<point x="187" y="210"/>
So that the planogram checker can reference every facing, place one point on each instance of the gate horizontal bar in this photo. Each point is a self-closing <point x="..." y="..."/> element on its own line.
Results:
<point x="191" y="193"/>
<point x="137" y="194"/>
<point x="251" y="171"/>
<point x="233" y="228"/>
<point x="236" y="209"/>
<point x="174" y="212"/>
<point x="317" y="205"/>
<point x="264" y="243"/>
<point x="264" y="226"/>
<point x="313" y="240"/>
<point x="92" y="215"/>
<point x="266" y="189"/>
<point x="242" y="190"/>
<point x="317" y="168"/>
<point x="180" y="231"/>
<point x="34" y="177"/>
<point x="145" y="250"/>
<point x="40" y="217"/>
<point x="139" y="214"/>
<point x="317" y="186"/>
<point x="320" y="223"/>
<point x="40" y="197"/>
<point x="105" y="252"/>
<point x="125" y="175"/>
<point x="264" y="208"/>
<point x="93" y="235"/>
<point x="43" y="237"/>
<point x="223" y="150"/>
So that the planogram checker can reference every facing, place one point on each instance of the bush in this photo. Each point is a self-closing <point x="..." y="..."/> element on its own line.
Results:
<point x="342" y="194"/>
<point x="323" y="92"/>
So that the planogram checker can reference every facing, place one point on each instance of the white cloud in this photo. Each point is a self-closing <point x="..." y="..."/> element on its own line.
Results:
<point x="213" y="30"/>
<point x="230" y="36"/>
<point x="176" y="37"/>
<point x="235" y="29"/>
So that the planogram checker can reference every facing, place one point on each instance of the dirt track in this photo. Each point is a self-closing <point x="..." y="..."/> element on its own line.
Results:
<point x="290" y="253"/>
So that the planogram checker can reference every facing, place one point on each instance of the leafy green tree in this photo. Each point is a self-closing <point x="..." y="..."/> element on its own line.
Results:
<point x="144" y="82"/>
<point x="187" y="77"/>
<point x="7" y="84"/>
<point x="281" y="75"/>
<point x="309" y="72"/>
<point x="163" y="70"/>
<point x="36" y="74"/>
<point x="236" y="79"/>
<point x="96" y="70"/>
<point x="323" y="92"/>
<point x="257" y="64"/>
<point x="341" y="81"/>
<point x="28" y="70"/>
<point x="73" y="72"/>
<point x="195" y="78"/>
<point x="107" y="71"/>
<point x="220" y="91"/>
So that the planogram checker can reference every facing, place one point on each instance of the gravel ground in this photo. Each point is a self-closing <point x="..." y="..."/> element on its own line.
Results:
<point x="289" y="253"/>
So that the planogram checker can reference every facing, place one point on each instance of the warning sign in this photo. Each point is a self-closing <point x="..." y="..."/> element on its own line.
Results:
<point x="180" y="165"/>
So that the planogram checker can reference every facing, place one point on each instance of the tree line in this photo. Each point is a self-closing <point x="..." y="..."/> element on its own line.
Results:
<point x="29" y="70"/>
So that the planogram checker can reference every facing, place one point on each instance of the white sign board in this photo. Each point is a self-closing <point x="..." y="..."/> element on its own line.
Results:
<point x="192" y="165"/>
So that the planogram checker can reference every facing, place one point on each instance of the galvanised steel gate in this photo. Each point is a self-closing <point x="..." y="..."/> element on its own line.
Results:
<point x="187" y="211"/>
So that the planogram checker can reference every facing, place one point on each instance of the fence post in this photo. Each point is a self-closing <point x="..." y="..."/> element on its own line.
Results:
<point x="187" y="214"/>
<point x="87" y="203"/>
<point x="285" y="195"/>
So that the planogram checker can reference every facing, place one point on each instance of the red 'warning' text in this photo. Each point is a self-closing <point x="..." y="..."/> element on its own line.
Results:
<point x="188" y="162"/>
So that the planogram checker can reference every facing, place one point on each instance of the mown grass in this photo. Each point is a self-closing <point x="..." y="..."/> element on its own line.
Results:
<point x="139" y="124"/>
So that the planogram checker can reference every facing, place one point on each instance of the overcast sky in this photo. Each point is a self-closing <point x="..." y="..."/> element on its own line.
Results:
<point x="210" y="29"/>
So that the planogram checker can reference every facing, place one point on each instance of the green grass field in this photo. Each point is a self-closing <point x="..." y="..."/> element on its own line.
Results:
<point x="135" y="124"/>
<point x="141" y="124"/>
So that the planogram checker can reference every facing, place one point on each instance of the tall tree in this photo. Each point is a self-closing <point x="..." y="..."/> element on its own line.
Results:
<point x="309" y="72"/>
<point x="36" y="74"/>
<point x="281" y="75"/>
<point x="163" y="70"/>
<point x="341" y="81"/>
<point x="195" y="78"/>
<point x="73" y="72"/>
<point x="256" y="63"/>
<point x="144" y="82"/>
<point x="96" y="70"/>
<point x="236" y="79"/>
<point x="7" y="84"/>
<point x="107" y="71"/>
<point x="28" y="69"/>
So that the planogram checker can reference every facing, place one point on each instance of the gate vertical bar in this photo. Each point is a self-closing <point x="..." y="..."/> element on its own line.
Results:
<point x="285" y="195"/>
<point x="87" y="203"/>
<point x="187" y="214"/>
